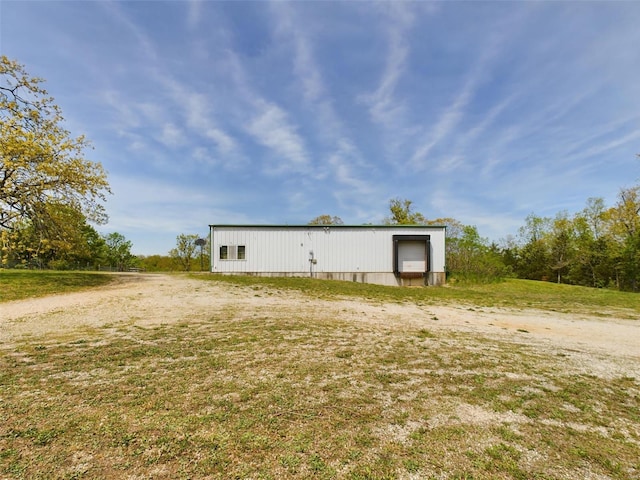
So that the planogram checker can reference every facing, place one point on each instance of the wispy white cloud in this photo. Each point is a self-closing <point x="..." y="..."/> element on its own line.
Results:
<point x="465" y="146"/>
<point x="452" y="116"/>
<point x="347" y="173"/>
<point x="195" y="107"/>
<point x="488" y="120"/>
<point x="471" y="212"/>
<point x="168" y="208"/>
<point x="306" y="69"/>
<point x="610" y="145"/>
<point x="598" y="133"/>
<point x="141" y="41"/>
<point x="271" y="128"/>
<point x="171" y="136"/>
<point x="194" y="13"/>
<point x="445" y="125"/>
<point x="141" y="209"/>
<point x="268" y="123"/>
<point x="553" y="89"/>
<point x="125" y="114"/>
<point x="345" y="166"/>
<point x="175" y="103"/>
<point x="383" y="104"/>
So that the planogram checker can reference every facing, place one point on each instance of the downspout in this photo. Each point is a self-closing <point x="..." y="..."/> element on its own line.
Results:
<point x="312" y="261"/>
<point x="211" y="257"/>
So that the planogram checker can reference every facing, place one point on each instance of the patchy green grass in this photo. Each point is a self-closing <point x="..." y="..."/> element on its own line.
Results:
<point x="19" y="284"/>
<point x="511" y="293"/>
<point x="249" y="396"/>
<point x="245" y="394"/>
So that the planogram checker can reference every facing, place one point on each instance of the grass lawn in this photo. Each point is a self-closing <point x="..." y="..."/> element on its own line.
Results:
<point x="242" y="394"/>
<point x="19" y="284"/>
<point x="511" y="293"/>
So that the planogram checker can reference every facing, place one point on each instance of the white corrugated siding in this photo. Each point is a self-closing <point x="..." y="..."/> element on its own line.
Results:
<point x="341" y="249"/>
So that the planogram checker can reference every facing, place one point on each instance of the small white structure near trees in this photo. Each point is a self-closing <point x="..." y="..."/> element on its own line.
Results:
<point x="384" y="254"/>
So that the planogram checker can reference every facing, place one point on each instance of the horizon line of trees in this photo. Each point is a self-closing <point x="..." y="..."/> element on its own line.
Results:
<point x="596" y="247"/>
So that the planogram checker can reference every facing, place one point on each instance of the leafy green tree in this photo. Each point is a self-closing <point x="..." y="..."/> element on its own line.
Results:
<point x="561" y="245"/>
<point x="471" y="257"/>
<point x="62" y="243"/>
<point x="68" y="241"/>
<point x="535" y="228"/>
<point x="533" y="257"/>
<point x="402" y="214"/>
<point x="454" y="227"/>
<point x="41" y="164"/>
<point x="118" y="251"/>
<point x="96" y="247"/>
<point x="509" y="251"/>
<point x="594" y="216"/>
<point x="157" y="263"/>
<point x="454" y="232"/>
<point x="185" y="251"/>
<point x="326" y="220"/>
<point x="592" y="264"/>
<point x="625" y="232"/>
<point x="17" y="249"/>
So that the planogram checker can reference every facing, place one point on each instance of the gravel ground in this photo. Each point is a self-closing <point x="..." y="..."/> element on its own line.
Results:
<point x="602" y="346"/>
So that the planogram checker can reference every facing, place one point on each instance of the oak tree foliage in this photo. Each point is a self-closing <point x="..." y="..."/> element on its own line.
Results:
<point x="118" y="251"/>
<point x="41" y="163"/>
<point x="326" y="220"/>
<point x="185" y="252"/>
<point x="402" y="214"/>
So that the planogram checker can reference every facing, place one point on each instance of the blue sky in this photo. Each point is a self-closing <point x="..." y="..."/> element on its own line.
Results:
<point x="255" y="112"/>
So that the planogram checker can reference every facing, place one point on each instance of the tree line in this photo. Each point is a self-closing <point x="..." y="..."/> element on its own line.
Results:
<point x="596" y="247"/>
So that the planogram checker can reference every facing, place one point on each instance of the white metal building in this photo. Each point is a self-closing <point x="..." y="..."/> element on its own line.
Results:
<point x="387" y="255"/>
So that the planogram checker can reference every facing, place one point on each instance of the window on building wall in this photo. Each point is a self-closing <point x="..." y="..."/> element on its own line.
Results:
<point x="232" y="252"/>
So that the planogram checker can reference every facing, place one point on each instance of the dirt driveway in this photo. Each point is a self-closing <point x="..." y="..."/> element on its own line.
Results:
<point x="599" y="346"/>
